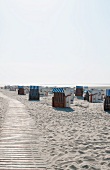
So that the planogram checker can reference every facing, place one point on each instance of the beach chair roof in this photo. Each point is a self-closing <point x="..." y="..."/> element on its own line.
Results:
<point x="107" y="92"/>
<point x="79" y="87"/>
<point x="20" y="87"/>
<point x="58" y="90"/>
<point x="34" y="87"/>
<point x="85" y="87"/>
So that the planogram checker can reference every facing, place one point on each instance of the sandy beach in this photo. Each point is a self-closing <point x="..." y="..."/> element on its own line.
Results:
<point x="69" y="139"/>
<point x="3" y="109"/>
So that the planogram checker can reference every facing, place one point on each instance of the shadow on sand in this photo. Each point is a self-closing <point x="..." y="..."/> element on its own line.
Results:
<point x="107" y="111"/>
<point x="80" y="98"/>
<point x="67" y="109"/>
<point x="33" y="100"/>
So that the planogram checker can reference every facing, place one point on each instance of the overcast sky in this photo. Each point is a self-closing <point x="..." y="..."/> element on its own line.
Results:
<point x="54" y="41"/>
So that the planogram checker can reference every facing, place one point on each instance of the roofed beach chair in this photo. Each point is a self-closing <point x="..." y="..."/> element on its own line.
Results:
<point x="79" y="91"/>
<point x="107" y="100"/>
<point x="62" y="97"/>
<point x="43" y="91"/>
<point x="95" y="96"/>
<point x="34" y="93"/>
<point x="12" y="88"/>
<point x="21" y="90"/>
<point x="86" y="95"/>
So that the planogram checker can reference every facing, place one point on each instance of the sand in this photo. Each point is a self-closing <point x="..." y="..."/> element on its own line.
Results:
<point x="75" y="138"/>
<point x="3" y="109"/>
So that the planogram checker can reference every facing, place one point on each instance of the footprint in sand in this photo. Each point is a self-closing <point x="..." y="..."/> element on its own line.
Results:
<point x="107" y="151"/>
<point x="103" y="163"/>
<point x="81" y="152"/>
<point x="72" y="167"/>
<point x="85" y="167"/>
<point x="79" y="161"/>
<point x="106" y="158"/>
<point x="55" y="158"/>
<point x="109" y="165"/>
<point x="89" y="158"/>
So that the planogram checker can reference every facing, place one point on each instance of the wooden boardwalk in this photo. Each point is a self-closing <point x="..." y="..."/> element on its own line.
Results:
<point x="19" y="140"/>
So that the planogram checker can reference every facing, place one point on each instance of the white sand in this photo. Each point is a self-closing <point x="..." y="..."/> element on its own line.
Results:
<point x="3" y="109"/>
<point x="76" y="138"/>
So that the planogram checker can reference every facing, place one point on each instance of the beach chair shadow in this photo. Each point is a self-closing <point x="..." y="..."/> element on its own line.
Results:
<point x="108" y="111"/>
<point x="34" y="101"/>
<point x="79" y="97"/>
<point x="63" y="109"/>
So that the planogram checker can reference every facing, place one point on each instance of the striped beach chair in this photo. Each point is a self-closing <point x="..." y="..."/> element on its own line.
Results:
<point x="61" y="97"/>
<point x="34" y="93"/>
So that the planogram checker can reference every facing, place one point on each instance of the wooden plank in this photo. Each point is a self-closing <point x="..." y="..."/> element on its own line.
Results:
<point x="19" y="144"/>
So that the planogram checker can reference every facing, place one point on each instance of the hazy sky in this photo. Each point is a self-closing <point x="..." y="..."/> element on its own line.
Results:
<point x="54" y="41"/>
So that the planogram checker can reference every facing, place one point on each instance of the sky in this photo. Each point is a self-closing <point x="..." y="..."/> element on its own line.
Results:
<point x="54" y="42"/>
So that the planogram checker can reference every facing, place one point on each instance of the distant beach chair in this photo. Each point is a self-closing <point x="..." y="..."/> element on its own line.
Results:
<point x="85" y="88"/>
<point x="7" y="87"/>
<point x="34" y="93"/>
<point x="95" y="96"/>
<point x="72" y="96"/>
<point x="79" y="91"/>
<point x="12" y="88"/>
<point x="62" y="97"/>
<point x="107" y="100"/>
<point x="21" y="90"/>
<point x="43" y="91"/>
<point x="86" y="95"/>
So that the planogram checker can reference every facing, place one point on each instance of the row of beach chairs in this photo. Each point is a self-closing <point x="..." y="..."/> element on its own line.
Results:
<point x="63" y="97"/>
<point x="33" y="92"/>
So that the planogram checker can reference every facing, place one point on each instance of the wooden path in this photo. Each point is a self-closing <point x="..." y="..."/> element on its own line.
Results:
<point x="19" y="140"/>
